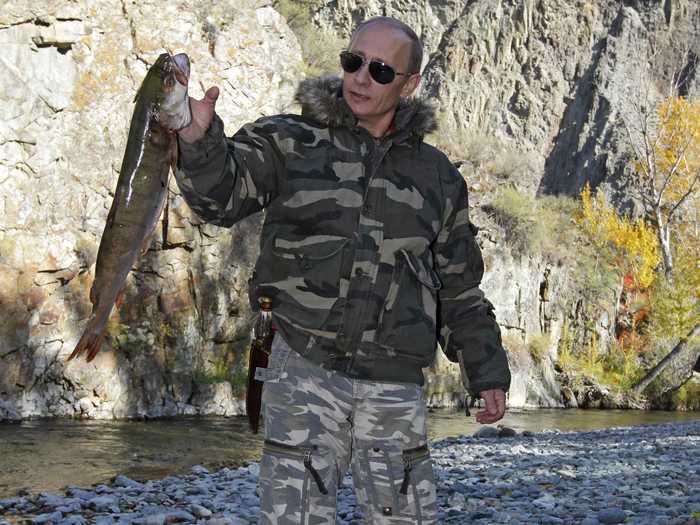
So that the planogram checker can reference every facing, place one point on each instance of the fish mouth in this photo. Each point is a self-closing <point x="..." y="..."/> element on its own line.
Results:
<point x="173" y="108"/>
<point x="182" y="68"/>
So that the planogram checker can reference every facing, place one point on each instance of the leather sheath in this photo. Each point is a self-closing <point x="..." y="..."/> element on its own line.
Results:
<point x="258" y="358"/>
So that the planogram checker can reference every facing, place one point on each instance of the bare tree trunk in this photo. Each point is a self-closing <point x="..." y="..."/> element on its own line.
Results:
<point x="664" y="235"/>
<point x="672" y="356"/>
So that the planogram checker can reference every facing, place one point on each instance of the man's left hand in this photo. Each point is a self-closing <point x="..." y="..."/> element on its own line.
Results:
<point x="495" y="406"/>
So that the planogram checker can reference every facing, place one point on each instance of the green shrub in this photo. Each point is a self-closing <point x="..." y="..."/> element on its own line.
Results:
<point x="538" y="346"/>
<point x="618" y="368"/>
<point x="218" y="372"/>
<point x="484" y="158"/>
<point x="687" y="397"/>
<point x="535" y="226"/>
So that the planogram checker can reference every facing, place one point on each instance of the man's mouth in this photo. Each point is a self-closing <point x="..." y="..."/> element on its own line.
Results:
<point x="359" y="96"/>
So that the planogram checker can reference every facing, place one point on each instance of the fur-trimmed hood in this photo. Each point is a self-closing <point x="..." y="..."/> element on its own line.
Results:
<point x="320" y="98"/>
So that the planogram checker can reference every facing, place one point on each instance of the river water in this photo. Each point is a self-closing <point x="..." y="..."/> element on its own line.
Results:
<point x="46" y="455"/>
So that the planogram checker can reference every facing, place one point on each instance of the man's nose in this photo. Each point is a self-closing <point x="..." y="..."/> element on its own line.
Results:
<point x="362" y="75"/>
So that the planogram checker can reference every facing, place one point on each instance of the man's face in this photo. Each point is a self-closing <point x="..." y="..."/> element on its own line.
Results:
<point x="369" y="100"/>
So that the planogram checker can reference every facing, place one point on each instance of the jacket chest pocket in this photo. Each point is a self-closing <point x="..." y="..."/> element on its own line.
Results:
<point x="302" y="278"/>
<point x="408" y="320"/>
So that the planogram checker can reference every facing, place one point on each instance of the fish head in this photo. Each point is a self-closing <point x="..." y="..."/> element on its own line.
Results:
<point x="172" y="74"/>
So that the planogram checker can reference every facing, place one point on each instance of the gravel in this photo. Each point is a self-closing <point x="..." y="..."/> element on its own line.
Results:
<point x="636" y="475"/>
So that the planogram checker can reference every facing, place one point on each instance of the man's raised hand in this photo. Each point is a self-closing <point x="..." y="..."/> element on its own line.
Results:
<point x="202" y="115"/>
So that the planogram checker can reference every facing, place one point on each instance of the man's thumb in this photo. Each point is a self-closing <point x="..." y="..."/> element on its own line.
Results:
<point x="211" y="95"/>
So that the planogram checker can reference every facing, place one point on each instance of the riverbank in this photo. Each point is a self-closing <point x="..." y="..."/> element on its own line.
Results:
<point x="636" y="475"/>
<point x="45" y="455"/>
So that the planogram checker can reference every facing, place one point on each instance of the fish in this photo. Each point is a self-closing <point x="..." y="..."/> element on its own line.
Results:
<point x="161" y="107"/>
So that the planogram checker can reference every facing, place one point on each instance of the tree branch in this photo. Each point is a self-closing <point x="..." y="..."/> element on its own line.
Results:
<point x="669" y="358"/>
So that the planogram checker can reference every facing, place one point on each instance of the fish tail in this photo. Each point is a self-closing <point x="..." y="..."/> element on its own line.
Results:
<point x="91" y="340"/>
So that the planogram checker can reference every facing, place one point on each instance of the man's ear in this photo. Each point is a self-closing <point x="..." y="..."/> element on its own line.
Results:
<point x="411" y="85"/>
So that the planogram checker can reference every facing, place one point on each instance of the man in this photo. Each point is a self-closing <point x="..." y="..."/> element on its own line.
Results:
<point x="367" y="253"/>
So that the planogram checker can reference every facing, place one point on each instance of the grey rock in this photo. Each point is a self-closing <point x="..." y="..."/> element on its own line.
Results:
<point x="73" y="520"/>
<point x="50" y="500"/>
<point x="70" y="507"/>
<point x="82" y="494"/>
<point x="152" y="519"/>
<point x="612" y="515"/>
<point x="486" y="432"/>
<point x="228" y="520"/>
<point x="49" y="517"/>
<point x="200" y="511"/>
<point x="550" y="520"/>
<point x="506" y="432"/>
<point x="199" y="469"/>
<point x="104" y="504"/>
<point x="124" y="481"/>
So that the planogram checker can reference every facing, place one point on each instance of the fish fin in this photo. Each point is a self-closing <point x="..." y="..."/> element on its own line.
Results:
<point x="94" y="295"/>
<point x="95" y="346"/>
<point x="91" y="341"/>
<point x="119" y="300"/>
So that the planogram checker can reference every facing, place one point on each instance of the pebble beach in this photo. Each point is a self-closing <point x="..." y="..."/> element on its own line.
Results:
<point x="637" y="475"/>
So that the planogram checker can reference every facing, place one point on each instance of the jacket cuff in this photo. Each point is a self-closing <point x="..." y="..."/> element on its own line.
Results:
<point x="192" y="155"/>
<point x="493" y="374"/>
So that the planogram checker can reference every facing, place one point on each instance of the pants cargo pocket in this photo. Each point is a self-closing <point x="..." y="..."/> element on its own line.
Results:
<point x="418" y="484"/>
<point x="396" y="482"/>
<point x="296" y="483"/>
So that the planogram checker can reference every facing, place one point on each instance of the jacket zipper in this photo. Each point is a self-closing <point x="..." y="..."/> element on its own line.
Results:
<point x="357" y="326"/>
<point x="303" y="453"/>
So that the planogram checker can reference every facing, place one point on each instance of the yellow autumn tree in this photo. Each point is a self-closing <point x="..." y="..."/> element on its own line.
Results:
<point x="632" y="243"/>
<point x="668" y="170"/>
<point x="667" y="165"/>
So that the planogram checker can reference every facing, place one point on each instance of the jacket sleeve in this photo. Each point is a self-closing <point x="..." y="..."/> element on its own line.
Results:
<point x="226" y="179"/>
<point x="469" y="333"/>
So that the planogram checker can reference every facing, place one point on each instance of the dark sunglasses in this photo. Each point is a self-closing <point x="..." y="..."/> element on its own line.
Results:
<point x="379" y="71"/>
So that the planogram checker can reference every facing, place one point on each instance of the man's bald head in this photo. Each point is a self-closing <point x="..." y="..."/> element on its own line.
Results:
<point x="415" y="58"/>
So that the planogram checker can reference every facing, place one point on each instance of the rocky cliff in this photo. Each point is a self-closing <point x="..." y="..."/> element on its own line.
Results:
<point x="544" y="82"/>
<point x="71" y="72"/>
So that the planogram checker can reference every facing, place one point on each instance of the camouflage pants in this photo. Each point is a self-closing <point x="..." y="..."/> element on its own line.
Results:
<point x="319" y="422"/>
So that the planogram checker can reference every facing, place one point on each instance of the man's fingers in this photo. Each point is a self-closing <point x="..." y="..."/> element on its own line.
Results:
<point x="490" y="400"/>
<point x="500" y="396"/>
<point x="489" y="397"/>
<point x="486" y="418"/>
<point x="495" y="406"/>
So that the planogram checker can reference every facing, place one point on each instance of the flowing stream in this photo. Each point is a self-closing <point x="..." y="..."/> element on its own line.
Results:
<point x="46" y="455"/>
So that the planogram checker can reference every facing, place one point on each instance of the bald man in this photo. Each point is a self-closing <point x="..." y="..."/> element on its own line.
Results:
<point x="370" y="260"/>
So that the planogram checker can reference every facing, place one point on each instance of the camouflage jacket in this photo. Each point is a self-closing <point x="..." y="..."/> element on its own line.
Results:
<point x="366" y="249"/>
